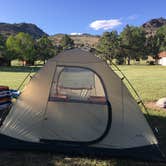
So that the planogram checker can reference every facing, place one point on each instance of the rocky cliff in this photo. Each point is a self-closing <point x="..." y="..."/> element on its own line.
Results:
<point x="151" y="26"/>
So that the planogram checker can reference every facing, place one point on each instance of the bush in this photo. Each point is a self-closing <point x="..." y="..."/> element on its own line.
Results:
<point x="151" y="62"/>
<point x="119" y="61"/>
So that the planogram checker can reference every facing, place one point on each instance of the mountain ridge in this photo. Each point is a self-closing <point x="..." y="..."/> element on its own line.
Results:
<point x="7" y="29"/>
<point x="152" y="25"/>
<point x="84" y="39"/>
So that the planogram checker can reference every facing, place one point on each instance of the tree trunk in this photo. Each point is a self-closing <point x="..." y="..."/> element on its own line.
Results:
<point x="29" y="63"/>
<point x="7" y="63"/>
<point x="10" y="63"/>
<point x="128" y="60"/>
<point x="125" y="60"/>
<point x="156" y="60"/>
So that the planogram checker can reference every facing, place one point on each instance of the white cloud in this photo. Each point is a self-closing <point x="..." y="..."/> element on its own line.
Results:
<point x="75" y="33"/>
<point x="105" y="24"/>
<point x="133" y="17"/>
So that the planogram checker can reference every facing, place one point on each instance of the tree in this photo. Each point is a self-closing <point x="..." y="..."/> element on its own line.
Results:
<point x="2" y="45"/>
<point x="156" y="43"/>
<point x="22" y="46"/>
<point x="26" y="47"/>
<point x="133" y="41"/>
<point x="11" y="46"/>
<point x="4" y="60"/>
<point x="66" y="42"/>
<point x="153" y="46"/>
<point x="161" y="35"/>
<point x="45" y="48"/>
<point x="109" y="44"/>
<point x="2" y="42"/>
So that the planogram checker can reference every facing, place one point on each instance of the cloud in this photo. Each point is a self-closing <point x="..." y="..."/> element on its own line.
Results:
<point x="133" y="17"/>
<point x="105" y="24"/>
<point x="75" y="33"/>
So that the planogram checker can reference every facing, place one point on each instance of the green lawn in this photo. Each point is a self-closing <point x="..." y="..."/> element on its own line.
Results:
<point x="14" y="76"/>
<point x="149" y="81"/>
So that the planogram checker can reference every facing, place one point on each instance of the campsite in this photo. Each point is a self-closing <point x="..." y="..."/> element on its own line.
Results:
<point x="151" y="89"/>
<point x="83" y="83"/>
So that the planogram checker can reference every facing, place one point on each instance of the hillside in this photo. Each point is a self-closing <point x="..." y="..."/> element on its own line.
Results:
<point x="7" y="29"/>
<point x="151" y="26"/>
<point x="79" y="40"/>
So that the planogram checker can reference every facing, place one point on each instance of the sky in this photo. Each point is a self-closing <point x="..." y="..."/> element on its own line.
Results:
<point x="81" y="16"/>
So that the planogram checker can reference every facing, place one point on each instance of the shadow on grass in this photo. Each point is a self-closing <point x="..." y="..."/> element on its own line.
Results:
<point x="160" y="123"/>
<point x="20" y="68"/>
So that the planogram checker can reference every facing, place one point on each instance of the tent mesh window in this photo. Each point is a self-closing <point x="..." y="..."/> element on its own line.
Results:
<point x="76" y="84"/>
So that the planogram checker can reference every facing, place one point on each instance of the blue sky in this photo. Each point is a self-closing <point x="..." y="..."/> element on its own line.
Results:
<point x="81" y="16"/>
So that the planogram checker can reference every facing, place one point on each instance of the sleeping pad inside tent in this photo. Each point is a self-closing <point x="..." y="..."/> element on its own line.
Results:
<point x="77" y="103"/>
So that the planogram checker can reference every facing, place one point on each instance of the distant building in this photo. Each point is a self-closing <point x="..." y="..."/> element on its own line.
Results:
<point x="162" y="58"/>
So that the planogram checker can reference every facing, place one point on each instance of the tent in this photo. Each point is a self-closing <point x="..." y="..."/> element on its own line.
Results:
<point x="77" y="103"/>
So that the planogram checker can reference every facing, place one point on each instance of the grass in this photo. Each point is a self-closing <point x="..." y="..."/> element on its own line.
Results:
<point x="13" y="76"/>
<point x="149" y="81"/>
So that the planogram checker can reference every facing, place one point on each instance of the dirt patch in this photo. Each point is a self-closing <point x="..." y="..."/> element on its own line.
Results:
<point x="152" y="105"/>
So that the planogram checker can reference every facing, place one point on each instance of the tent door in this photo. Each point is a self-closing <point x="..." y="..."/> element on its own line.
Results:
<point x="77" y="109"/>
<point x="75" y="121"/>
